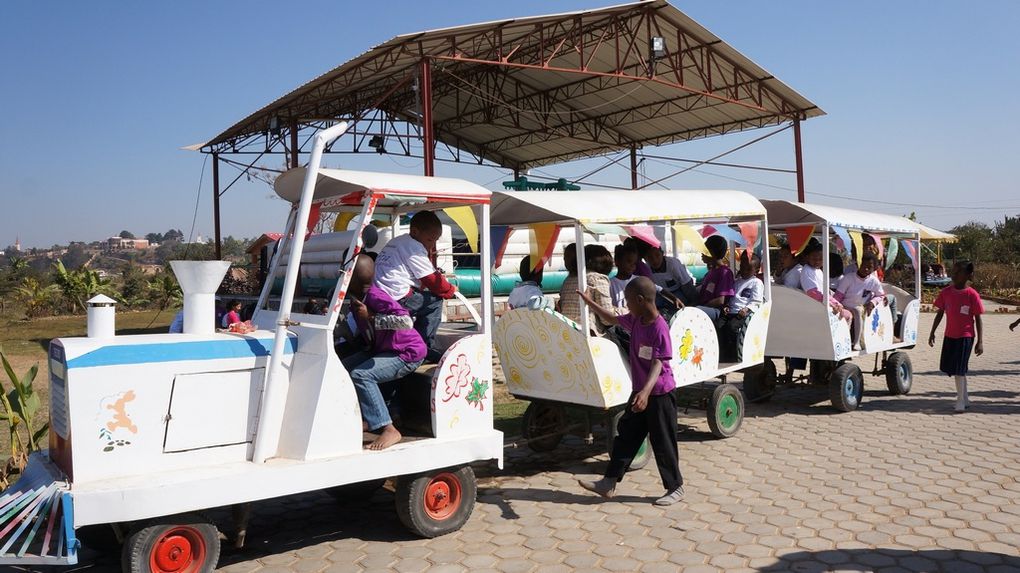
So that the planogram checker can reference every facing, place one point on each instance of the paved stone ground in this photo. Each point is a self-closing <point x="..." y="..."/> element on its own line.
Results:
<point x="903" y="484"/>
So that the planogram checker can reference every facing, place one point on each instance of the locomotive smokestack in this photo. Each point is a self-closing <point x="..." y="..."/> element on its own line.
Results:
<point x="199" y="281"/>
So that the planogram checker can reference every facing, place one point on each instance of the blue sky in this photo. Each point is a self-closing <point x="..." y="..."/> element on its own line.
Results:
<point x="99" y="97"/>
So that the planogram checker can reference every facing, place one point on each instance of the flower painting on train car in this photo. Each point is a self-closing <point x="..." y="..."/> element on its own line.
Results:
<point x="459" y="378"/>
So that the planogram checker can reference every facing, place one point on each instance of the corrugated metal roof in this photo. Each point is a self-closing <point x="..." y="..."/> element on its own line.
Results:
<point x="532" y="91"/>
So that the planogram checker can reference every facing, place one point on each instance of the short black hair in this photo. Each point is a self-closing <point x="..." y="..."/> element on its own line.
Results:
<point x="623" y="250"/>
<point x="641" y="286"/>
<point x="597" y="259"/>
<point x="525" y="270"/>
<point x="426" y="220"/>
<point x="965" y="265"/>
<point x="717" y="246"/>
<point x="869" y="257"/>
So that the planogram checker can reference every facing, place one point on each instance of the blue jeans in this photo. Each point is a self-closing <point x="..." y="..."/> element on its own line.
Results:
<point x="713" y="313"/>
<point x="368" y="373"/>
<point x="427" y="311"/>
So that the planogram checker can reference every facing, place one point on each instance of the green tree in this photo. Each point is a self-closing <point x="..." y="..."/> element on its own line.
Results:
<point x="135" y="286"/>
<point x="76" y="257"/>
<point x="974" y="242"/>
<point x="154" y="237"/>
<point x="35" y="296"/>
<point x="164" y="289"/>
<point x="126" y="235"/>
<point x="79" y="285"/>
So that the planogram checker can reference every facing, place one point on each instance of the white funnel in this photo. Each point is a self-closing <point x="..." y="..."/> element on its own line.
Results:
<point x="199" y="281"/>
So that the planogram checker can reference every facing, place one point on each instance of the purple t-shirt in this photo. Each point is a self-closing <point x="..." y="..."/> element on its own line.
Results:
<point x="392" y="327"/>
<point x="643" y="270"/>
<point x="648" y="342"/>
<point x="717" y="282"/>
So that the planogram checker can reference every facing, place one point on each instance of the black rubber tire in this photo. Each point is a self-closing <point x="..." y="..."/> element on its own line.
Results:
<point x="355" y="492"/>
<point x="728" y="424"/>
<point x="899" y="373"/>
<point x="760" y="381"/>
<point x="544" y="425"/>
<point x="844" y="397"/>
<point x="411" y="494"/>
<point x="146" y="536"/>
<point x="644" y="454"/>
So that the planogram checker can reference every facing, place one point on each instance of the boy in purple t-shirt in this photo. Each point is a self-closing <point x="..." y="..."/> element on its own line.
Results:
<point x="397" y="349"/>
<point x="652" y="412"/>
<point x="717" y="286"/>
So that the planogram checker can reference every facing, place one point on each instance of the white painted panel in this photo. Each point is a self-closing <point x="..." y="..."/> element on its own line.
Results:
<point x="213" y="409"/>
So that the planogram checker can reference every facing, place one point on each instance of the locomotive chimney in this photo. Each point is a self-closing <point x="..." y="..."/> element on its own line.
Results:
<point x="199" y="281"/>
<point x="100" y="316"/>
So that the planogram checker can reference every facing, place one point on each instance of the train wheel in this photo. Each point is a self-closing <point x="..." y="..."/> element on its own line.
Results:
<point x="846" y="387"/>
<point x="725" y="411"/>
<point x="644" y="454"/>
<point x="187" y="543"/>
<point x="899" y="373"/>
<point x="760" y="382"/>
<point x="436" y="503"/>
<point x="544" y="425"/>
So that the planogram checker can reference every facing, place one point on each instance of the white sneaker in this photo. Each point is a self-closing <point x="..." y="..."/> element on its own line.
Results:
<point x="604" y="487"/>
<point x="672" y="497"/>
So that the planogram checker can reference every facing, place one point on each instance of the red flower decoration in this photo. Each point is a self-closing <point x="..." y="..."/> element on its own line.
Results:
<point x="459" y="378"/>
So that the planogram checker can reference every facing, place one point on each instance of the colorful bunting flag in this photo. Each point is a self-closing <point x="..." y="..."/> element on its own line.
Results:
<point x="798" y="237"/>
<point x="730" y="234"/>
<point x="891" y="252"/>
<point x="343" y="219"/>
<point x="691" y="236"/>
<point x="542" y="242"/>
<point x="842" y="236"/>
<point x="465" y="219"/>
<point x="605" y="229"/>
<point x="878" y="245"/>
<point x="750" y="231"/>
<point x="858" y="240"/>
<point x="500" y="237"/>
<point x="910" y="247"/>
<point x="644" y="232"/>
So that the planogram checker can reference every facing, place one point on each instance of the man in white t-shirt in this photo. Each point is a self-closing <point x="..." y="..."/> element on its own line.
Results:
<point x="749" y="294"/>
<point x="860" y="291"/>
<point x="406" y="270"/>
<point x="672" y="280"/>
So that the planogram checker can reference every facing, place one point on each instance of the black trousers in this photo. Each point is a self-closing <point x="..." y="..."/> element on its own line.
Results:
<point x="658" y="424"/>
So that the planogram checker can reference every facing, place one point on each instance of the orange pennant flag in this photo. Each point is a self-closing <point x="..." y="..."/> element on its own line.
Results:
<point x="798" y="237"/>
<point x="543" y="241"/>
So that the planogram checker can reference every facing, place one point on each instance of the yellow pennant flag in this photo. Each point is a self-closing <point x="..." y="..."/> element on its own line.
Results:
<point x="687" y="233"/>
<point x="543" y="239"/>
<point x="342" y="220"/>
<point x="465" y="219"/>
<point x="858" y="241"/>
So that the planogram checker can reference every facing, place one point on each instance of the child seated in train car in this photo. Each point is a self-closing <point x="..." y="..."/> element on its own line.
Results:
<point x="641" y="269"/>
<point x="811" y="281"/>
<point x="675" y="282"/>
<point x="788" y="272"/>
<point x="528" y="292"/>
<point x="749" y="295"/>
<point x="406" y="271"/>
<point x="394" y="350"/>
<point x="859" y="292"/>
<point x="568" y="304"/>
<point x="598" y="264"/>
<point x="718" y="282"/>
<point x="626" y="258"/>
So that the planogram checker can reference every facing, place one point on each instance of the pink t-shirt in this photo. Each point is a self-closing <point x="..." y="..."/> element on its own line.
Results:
<point x="960" y="307"/>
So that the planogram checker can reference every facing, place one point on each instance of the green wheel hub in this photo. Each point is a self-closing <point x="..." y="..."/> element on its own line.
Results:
<point x="727" y="411"/>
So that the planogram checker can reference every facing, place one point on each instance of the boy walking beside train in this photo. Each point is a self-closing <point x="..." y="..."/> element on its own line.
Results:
<point x="652" y="407"/>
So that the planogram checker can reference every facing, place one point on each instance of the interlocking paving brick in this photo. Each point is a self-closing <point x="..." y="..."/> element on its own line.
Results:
<point x="902" y="484"/>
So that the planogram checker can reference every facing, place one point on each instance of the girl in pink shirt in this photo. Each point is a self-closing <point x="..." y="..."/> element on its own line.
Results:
<point x="962" y="307"/>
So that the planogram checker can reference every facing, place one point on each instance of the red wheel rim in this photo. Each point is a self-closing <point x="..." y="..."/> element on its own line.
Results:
<point x="180" y="549"/>
<point x="442" y="496"/>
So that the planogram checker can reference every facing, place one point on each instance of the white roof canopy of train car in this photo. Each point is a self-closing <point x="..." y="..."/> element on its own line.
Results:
<point x="527" y="207"/>
<point x="336" y="188"/>
<point x="788" y="214"/>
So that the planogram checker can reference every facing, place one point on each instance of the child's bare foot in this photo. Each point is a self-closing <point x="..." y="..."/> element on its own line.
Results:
<point x="387" y="438"/>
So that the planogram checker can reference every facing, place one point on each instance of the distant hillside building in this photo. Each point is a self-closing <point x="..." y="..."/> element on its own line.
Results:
<point x="122" y="244"/>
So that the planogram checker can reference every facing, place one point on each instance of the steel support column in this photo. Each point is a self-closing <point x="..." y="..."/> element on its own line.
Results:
<point x="800" y="160"/>
<point x="293" y="144"/>
<point x="428" y="138"/>
<point x="216" y="203"/>
<point x="633" y="167"/>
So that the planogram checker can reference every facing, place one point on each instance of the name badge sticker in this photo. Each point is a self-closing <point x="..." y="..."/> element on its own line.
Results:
<point x="965" y="309"/>
<point x="645" y="352"/>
